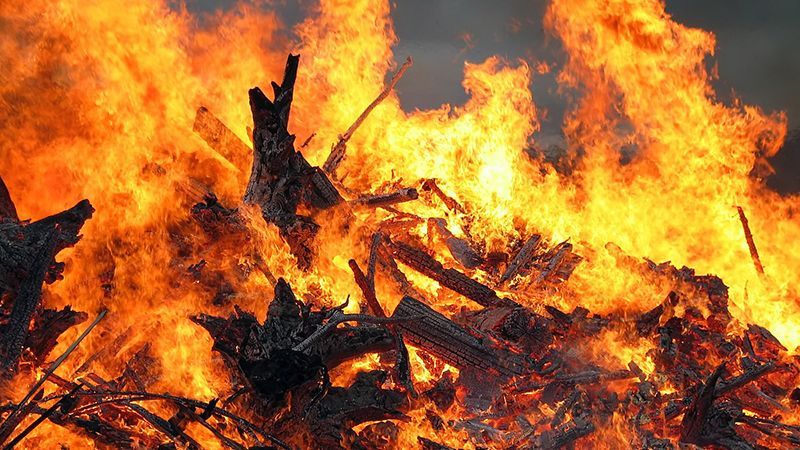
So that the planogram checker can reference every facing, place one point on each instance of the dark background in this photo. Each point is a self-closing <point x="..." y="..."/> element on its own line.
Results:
<point x="757" y="54"/>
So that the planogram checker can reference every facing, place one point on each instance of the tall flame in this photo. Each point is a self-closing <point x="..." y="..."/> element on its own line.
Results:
<point x="97" y="100"/>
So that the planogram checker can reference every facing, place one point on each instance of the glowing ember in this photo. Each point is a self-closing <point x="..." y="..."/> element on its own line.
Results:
<point x="500" y="301"/>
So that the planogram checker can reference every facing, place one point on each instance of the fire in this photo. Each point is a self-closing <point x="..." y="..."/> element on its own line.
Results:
<point x="98" y="99"/>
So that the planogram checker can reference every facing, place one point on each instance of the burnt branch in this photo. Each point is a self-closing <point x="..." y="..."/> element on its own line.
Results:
<point x="338" y="151"/>
<point x="751" y="244"/>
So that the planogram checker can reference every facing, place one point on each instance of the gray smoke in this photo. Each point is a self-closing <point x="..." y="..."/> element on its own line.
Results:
<point x="757" y="52"/>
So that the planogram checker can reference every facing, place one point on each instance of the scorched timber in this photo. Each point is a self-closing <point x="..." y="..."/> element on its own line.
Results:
<point x="281" y="179"/>
<point x="522" y="259"/>
<point x="20" y="244"/>
<point x="338" y="151"/>
<point x="459" y="248"/>
<point x="220" y="138"/>
<point x="27" y="261"/>
<point x="445" y="339"/>
<point x="449" y="278"/>
<point x="392" y="198"/>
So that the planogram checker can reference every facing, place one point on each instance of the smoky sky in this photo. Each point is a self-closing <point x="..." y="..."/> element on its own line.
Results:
<point x="757" y="54"/>
<point x="758" y="46"/>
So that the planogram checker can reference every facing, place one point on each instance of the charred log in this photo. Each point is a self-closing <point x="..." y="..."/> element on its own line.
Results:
<point x="27" y="261"/>
<point x="281" y="179"/>
<point x="327" y="423"/>
<point x="443" y="338"/>
<point x="459" y="248"/>
<point x="450" y="278"/>
<point x="216" y="219"/>
<point x="381" y="200"/>
<point x="15" y="333"/>
<point x="427" y="444"/>
<point x="20" y="244"/>
<point x="565" y="435"/>
<point x="282" y="354"/>
<point x="693" y="426"/>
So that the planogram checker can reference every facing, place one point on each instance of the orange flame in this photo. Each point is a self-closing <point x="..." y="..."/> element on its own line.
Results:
<point x="98" y="99"/>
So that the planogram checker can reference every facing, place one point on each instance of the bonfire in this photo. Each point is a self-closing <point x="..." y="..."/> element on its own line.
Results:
<point x="266" y="252"/>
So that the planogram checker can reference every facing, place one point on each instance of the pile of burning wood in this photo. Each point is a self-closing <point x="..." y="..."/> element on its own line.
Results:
<point x="523" y="379"/>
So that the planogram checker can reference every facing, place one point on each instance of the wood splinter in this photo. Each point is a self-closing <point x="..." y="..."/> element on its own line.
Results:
<point x="382" y="200"/>
<point x="750" y="242"/>
<point x="338" y="151"/>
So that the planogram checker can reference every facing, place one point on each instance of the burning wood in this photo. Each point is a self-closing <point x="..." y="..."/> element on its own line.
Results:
<point x="450" y="278"/>
<point x="751" y="245"/>
<point x="522" y="259"/>
<point x="220" y="138"/>
<point x="7" y="208"/>
<point x="459" y="248"/>
<point x="27" y="262"/>
<point x="281" y="179"/>
<point x="452" y="204"/>
<point x="381" y="200"/>
<point x="518" y="372"/>
<point x="443" y="338"/>
<point x="338" y="151"/>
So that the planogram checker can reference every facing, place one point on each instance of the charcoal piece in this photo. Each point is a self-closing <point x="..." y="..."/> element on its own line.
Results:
<point x="216" y="219"/>
<point x="530" y="331"/>
<point x="560" y="264"/>
<point x="15" y="332"/>
<point x="694" y="420"/>
<point x="459" y="248"/>
<point x="379" y="436"/>
<point x="142" y="370"/>
<point x="387" y="264"/>
<point x="21" y="243"/>
<point x="345" y="407"/>
<point x="367" y="289"/>
<point x="282" y="372"/>
<point x="795" y="395"/>
<point x="565" y="434"/>
<point x="427" y="444"/>
<point x="347" y="343"/>
<point x="388" y="199"/>
<point x="435" y="420"/>
<point x="765" y="345"/>
<point x="402" y="369"/>
<point x="228" y="334"/>
<point x="647" y="323"/>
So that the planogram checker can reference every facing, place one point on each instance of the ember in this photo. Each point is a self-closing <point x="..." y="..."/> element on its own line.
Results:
<point x="402" y="280"/>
